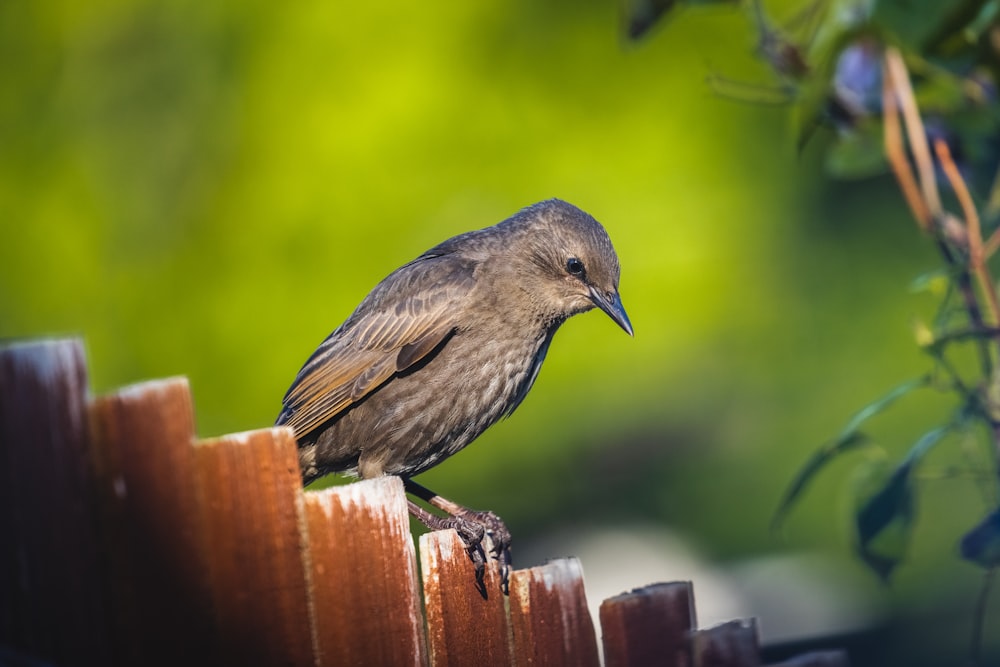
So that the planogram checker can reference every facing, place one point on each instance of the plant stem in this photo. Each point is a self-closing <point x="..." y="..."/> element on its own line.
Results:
<point x="895" y="152"/>
<point x="975" y="238"/>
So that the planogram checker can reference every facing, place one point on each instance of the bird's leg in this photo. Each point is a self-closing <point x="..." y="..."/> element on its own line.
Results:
<point x="471" y="533"/>
<point x="472" y="523"/>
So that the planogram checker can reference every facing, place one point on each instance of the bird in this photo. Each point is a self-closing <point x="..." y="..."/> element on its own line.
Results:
<point x="444" y="347"/>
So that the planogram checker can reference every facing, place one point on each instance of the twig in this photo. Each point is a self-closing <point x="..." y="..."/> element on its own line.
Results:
<point x="963" y="283"/>
<point x="896" y="71"/>
<point x="992" y="244"/>
<point x="974" y="234"/>
<point x="964" y="200"/>
<point x="893" y="140"/>
<point x="925" y="203"/>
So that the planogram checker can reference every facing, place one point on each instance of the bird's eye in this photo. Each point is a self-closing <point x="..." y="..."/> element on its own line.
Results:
<point x="574" y="266"/>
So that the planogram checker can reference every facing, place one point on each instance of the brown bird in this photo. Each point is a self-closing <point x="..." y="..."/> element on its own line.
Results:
<point x="443" y="348"/>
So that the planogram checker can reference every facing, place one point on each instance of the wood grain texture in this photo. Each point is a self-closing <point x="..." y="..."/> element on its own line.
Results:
<point x="550" y="622"/>
<point x="253" y="530"/>
<point x="51" y="602"/>
<point x="463" y="627"/>
<point x="366" y="598"/>
<point x="649" y="625"/>
<point x="144" y="458"/>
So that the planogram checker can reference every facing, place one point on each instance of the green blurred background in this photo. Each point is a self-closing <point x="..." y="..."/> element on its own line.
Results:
<point x="208" y="189"/>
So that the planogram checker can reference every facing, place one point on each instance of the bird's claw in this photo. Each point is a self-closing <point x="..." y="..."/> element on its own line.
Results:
<point x="500" y="540"/>
<point x="472" y="534"/>
<point x="473" y="527"/>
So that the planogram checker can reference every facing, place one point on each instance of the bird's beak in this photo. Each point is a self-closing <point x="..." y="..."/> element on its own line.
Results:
<point x="611" y="303"/>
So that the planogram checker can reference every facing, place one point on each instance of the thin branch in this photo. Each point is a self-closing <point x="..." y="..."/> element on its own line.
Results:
<point x="896" y="153"/>
<point x="964" y="199"/>
<point x="974" y="234"/>
<point x="992" y="244"/>
<point x="750" y="93"/>
<point x="963" y="283"/>
<point x="896" y="70"/>
<point x="956" y="378"/>
<point x="960" y="335"/>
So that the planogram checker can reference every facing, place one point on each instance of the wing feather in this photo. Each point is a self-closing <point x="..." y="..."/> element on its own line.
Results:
<point x="405" y="318"/>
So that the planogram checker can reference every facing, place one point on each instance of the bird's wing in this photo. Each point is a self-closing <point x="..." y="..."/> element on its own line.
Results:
<point x="405" y="318"/>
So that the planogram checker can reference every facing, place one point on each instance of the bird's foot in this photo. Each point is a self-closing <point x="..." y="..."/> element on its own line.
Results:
<point x="472" y="526"/>
<point x="499" y="537"/>
<point x="469" y="530"/>
<point x="472" y="533"/>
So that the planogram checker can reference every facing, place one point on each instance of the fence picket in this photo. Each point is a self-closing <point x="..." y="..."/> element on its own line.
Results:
<point x="732" y="644"/>
<point x="649" y="625"/>
<point x="365" y="594"/>
<point x="52" y="604"/>
<point x="253" y="530"/>
<point x="463" y="627"/>
<point x="145" y="473"/>
<point x="549" y="617"/>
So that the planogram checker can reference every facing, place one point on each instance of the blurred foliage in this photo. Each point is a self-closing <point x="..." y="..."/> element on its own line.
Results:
<point x="850" y="437"/>
<point x="208" y="189"/>
<point x="841" y="64"/>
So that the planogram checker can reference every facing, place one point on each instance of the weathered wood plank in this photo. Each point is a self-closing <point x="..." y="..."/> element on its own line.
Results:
<point x="365" y="594"/>
<point x="51" y="602"/>
<point x="254" y="532"/>
<point x="550" y="622"/>
<point x="649" y="625"/>
<point x="144" y="458"/>
<point x="732" y="644"/>
<point x="463" y="627"/>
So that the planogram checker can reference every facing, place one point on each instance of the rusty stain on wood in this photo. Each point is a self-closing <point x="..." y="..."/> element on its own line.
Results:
<point x="463" y="627"/>
<point x="365" y="594"/>
<point x="52" y="604"/>
<point x="144" y="462"/>
<point x="253" y="529"/>
<point x="732" y="644"/>
<point x="550" y="622"/>
<point x="649" y="625"/>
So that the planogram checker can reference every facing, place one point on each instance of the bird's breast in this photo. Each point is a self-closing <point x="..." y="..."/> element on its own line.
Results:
<point x="418" y="418"/>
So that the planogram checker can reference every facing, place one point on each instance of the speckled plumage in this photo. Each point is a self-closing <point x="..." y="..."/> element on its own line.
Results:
<point x="448" y="344"/>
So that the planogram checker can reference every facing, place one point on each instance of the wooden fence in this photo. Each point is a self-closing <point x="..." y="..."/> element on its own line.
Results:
<point x="125" y="540"/>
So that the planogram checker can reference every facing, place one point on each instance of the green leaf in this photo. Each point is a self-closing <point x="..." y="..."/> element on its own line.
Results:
<point x="639" y="16"/>
<point x="935" y="282"/>
<point x="849" y="438"/>
<point x="939" y="91"/>
<point x="915" y="22"/>
<point x="926" y="442"/>
<point x="806" y="473"/>
<point x="883" y="516"/>
<point x="880" y="405"/>
<point x="885" y="507"/>
<point x="981" y="545"/>
<point x="966" y="22"/>
<point x="858" y="154"/>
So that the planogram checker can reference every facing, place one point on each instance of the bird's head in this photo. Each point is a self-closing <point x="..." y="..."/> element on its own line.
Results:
<point x="569" y="264"/>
